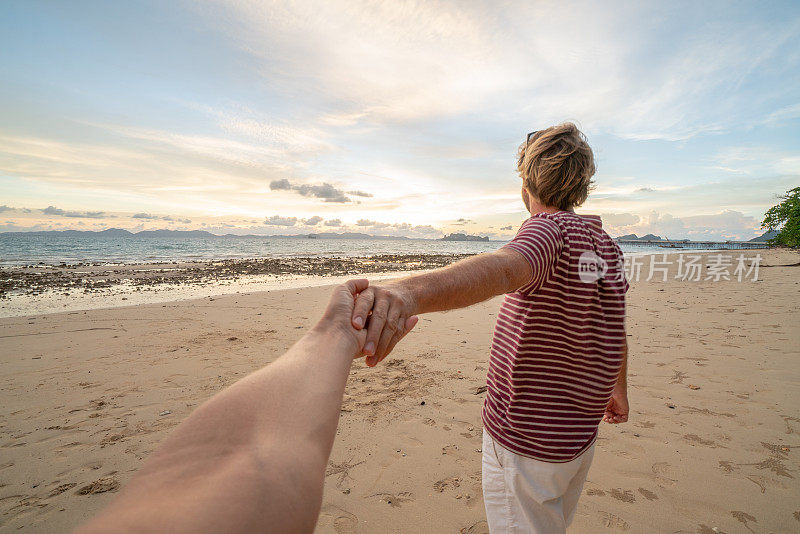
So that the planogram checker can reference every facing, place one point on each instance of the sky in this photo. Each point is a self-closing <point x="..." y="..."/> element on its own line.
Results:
<point x="392" y="118"/>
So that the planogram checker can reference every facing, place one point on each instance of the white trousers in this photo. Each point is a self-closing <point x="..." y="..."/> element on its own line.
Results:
<point x="523" y="495"/>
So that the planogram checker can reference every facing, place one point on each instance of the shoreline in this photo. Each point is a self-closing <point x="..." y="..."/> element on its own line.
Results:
<point x="43" y="289"/>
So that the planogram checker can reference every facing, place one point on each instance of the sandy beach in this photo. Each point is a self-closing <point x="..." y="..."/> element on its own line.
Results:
<point x="713" y="440"/>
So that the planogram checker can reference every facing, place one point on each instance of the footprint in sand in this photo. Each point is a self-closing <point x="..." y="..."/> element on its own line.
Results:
<point x="744" y="518"/>
<point x="649" y="495"/>
<point x="481" y="527"/>
<point x="450" y="449"/>
<point x="660" y="469"/>
<point x="343" y="521"/>
<point x="694" y="438"/>
<point x="345" y="524"/>
<point x="61" y="489"/>
<point x="727" y="466"/>
<point x="623" y="495"/>
<point x="101" y="485"/>
<point x="610" y="520"/>
<point x="449" y="482"/>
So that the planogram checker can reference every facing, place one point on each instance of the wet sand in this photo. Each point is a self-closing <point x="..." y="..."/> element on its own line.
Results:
<point x="713" y="440"/>
<point x="37" y="289"/>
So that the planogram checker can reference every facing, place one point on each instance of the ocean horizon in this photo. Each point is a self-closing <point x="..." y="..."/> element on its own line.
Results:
<point x="20" y="249"/>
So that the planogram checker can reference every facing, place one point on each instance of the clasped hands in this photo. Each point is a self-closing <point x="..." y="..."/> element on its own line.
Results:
<point x="375" y="317"/>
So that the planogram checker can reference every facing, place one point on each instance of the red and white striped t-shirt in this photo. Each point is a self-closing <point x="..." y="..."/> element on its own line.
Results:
<point x="558" y="342"/>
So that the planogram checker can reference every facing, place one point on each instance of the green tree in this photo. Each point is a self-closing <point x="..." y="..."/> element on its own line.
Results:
<point x="785" y="216"/>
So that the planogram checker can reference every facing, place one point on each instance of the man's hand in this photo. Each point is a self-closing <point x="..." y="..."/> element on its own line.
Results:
<point x="391" y="319"/>
<point x="337" y="317"/>
<point x="617" y="409"/>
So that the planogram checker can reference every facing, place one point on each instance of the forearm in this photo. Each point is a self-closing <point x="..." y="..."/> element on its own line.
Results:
<point x="263" y="440"/>
<point x="461" y="284"/>
<point x="622" y="379"/>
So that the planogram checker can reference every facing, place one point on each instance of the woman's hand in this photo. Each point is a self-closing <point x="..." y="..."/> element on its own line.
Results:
<point x="336" y="320"/>
<point x="386" y="315"/>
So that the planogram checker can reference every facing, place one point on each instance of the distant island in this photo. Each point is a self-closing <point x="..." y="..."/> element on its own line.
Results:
<point x="463" y="237"/>
<point x="634" y="237"/>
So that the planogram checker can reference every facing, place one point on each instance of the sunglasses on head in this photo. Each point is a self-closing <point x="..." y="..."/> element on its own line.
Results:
<point x="530" y="135"/>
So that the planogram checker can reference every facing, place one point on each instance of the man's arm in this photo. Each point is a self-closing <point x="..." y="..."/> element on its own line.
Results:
<point x="458" y="285"/>
<point x="617" y="409"/>
<point x="253" y="458"/>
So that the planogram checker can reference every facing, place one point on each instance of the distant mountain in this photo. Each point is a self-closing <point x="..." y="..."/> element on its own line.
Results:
<point x="763" y="238"/>
<point x="120" y="233"/>
<point x="634" y="237"/>
<point x="109" y="232"/>
<point x="463" y="237"/>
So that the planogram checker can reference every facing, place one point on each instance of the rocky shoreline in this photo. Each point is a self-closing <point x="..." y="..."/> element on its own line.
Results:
<point x="88" y="278"/>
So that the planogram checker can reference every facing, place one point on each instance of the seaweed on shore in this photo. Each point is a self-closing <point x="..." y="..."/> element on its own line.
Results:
<point x="36" y="279"/>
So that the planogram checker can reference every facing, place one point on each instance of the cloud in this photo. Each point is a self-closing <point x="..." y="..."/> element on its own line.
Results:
<point x="52" y="210"/>
<point x="400" y="229"/>
<point x="313" y="221"/>
<point x="277" y="220"/>
<point x="325" y="191"/>
<point x="462" y="222"/>
<point x="360" y="194"/>
<point x="755" y="160"/>
<point x="5" y="208"/>
<point x="333" y="222"/>
<point x="149" y="216"/>
<point x="726" y="225"/>
<point x="620" y="219"/>
<point x="509" y="227"/>
<point x="643" y="72"/>
<point x="373" y="224"/>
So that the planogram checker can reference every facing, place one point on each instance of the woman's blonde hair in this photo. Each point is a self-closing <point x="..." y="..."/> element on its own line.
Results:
<point x="556" y="165"/>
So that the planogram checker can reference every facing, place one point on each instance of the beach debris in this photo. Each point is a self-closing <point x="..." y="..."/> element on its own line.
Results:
<point x="347" y="491"/>
<point x="480" y="389"/>
<point x="671" y="406"/>
<point x="165" y="412"/>
<point x="692" y="386"/>
<point x="422" y="403"/>
<point x="232" y="338"/>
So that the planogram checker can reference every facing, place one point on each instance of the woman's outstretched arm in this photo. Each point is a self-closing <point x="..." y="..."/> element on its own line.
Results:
<point x="253" y="457"/>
